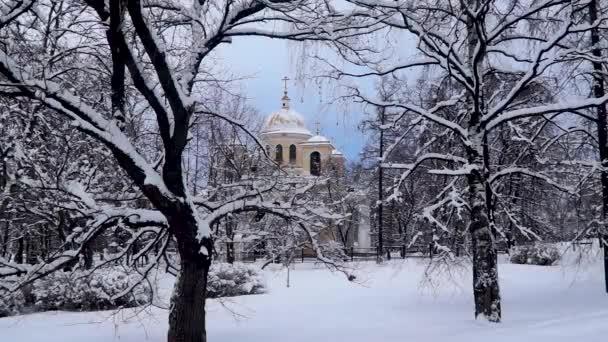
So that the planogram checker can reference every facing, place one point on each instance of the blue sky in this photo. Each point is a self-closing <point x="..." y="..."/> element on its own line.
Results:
<point x="265" y="62"/>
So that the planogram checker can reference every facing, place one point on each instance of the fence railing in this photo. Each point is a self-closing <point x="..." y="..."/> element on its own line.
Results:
<point x="349" y="254"/>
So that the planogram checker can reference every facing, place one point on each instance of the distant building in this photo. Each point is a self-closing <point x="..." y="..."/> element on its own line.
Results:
<point x="292" y="146"/>
<point x="300" y="153"/>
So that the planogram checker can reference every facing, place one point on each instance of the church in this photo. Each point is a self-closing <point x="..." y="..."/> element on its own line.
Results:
<point x="289" y="142"/>
<point x="303" y="156"/>
<point x="300" y="153"/>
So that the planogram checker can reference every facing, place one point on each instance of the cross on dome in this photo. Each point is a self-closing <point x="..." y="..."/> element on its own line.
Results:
<point x="285" y="98"/>
<point x="285" y="120"/>
<point x="285" y="79"/>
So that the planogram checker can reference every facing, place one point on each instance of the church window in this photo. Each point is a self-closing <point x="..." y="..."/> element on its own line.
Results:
<point x="279" y="154"/>
<point x="315" y="163"/>
<point x="292" y="154"/>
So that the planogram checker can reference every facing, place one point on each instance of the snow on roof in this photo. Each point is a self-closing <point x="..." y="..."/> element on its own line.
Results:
<point x="285" y="120"/>
<point x="336" y="153"/>
<point x="318" y="139"/>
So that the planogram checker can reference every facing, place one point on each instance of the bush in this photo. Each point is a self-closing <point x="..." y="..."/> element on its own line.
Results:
<point x="74" y="291"/>
<point x="538" y="254"/>
<point x="11" y="303"/>
<point x="226" y="280"/>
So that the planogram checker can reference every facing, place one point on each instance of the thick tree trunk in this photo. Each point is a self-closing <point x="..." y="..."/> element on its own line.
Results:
<point x="485" y="270"/>
<point x="486" y="290"/>
<point x="602" y="129"/>
<point x="187" y="316"/>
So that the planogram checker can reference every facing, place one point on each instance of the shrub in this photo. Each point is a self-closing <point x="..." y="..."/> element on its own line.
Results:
<point x="74" y="291"/>
<point x="11" y="303"/>
<point x="537" y="254"/>
<point x="226" y="280"/>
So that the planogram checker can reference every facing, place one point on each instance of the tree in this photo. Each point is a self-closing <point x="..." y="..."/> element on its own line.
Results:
<point x="464" y="48"/>
<point x="599" y="91"/>
<point x="160" y="68"/>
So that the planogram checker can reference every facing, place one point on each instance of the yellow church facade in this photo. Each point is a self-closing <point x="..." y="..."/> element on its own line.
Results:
<point x="289" y="142"/>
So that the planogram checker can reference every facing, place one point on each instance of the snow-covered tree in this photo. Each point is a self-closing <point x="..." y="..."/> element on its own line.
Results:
<point x="479" y="80"/>
<point x="133" y="77"/>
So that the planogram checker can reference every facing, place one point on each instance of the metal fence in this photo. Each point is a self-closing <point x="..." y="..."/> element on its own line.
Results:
<point x="349" y="254"/>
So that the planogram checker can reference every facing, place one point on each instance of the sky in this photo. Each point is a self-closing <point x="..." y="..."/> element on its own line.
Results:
<point x="265" y="62"/>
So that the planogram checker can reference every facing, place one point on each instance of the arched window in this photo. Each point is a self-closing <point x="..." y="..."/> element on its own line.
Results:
<point x="315" y="163"/>
<point x="279" y="154"/>
<point x="292" y="154"/>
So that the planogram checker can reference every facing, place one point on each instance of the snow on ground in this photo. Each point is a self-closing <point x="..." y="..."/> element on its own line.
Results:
<point x="389" y="304"/>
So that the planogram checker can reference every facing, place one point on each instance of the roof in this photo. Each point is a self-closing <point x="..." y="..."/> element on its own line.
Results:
<point x="317" y="139"/>
<point x="285" y="120"/>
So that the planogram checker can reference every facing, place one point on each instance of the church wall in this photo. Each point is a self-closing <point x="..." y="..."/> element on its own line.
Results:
<point x="285" y="140"/>
<point x="324" y="150"/>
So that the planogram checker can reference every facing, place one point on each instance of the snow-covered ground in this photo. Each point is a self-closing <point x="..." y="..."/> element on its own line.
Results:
<point x="389" y="304"/>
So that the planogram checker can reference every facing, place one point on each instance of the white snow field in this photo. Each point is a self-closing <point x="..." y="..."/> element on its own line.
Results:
<point x="539" y="304"/>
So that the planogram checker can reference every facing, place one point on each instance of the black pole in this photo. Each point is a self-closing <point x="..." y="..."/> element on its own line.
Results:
<point x="380" y="185"/>
<point x="602" y="128"/>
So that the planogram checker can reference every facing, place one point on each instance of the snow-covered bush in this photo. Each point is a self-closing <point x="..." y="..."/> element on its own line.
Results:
<point x="226" y="280"/>
<point x="11" y="303"/>
<point x="75" y="291"/>
<point x="537" y="254"/>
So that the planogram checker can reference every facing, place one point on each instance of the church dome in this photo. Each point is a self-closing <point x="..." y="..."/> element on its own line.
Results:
<point x="285" y="120"/>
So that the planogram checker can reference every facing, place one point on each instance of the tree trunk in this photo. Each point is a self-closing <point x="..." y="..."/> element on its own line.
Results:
<point x="117" y="10"/>
<point x="485" y="269"/>
<point x="19" y="253"/>
<point x="5" y="236"/>
<point x="28" y="250"/>
<point x="602" y="130"/>
<point x="187" y="316"/>
<point x="88" y="258"/>
<point x="486" y="291"/>
<point x="230" y="257"/>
